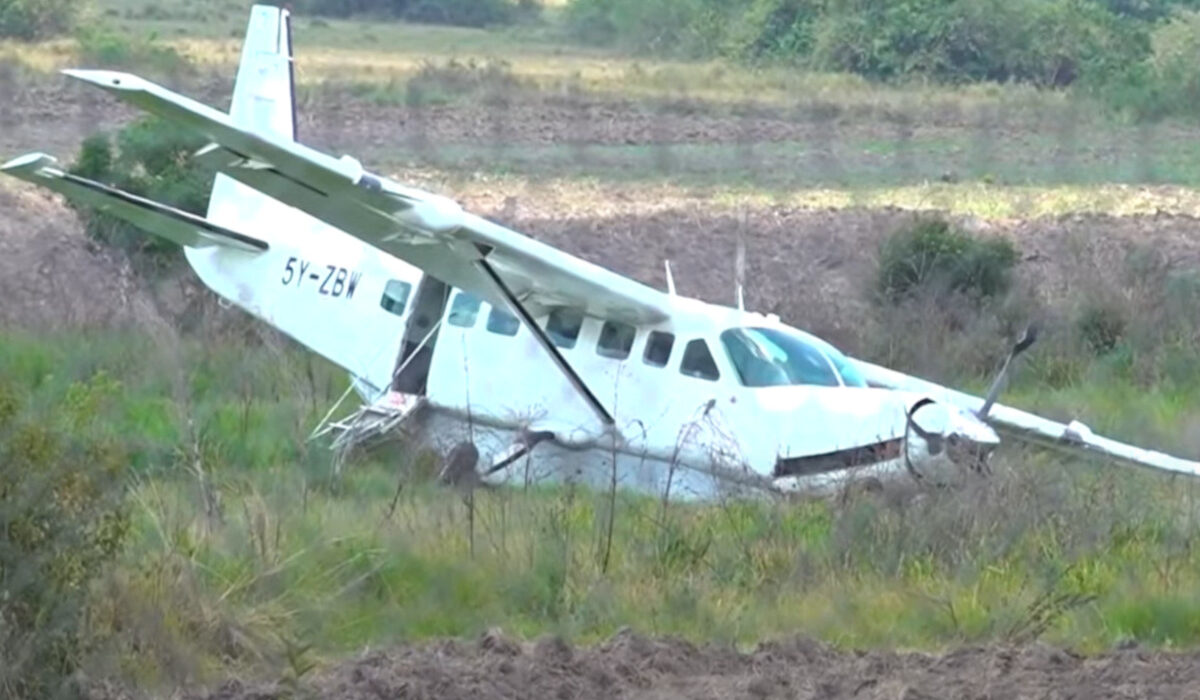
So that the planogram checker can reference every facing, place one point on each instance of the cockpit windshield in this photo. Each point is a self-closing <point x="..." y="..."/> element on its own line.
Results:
<point x="779" y="357"/>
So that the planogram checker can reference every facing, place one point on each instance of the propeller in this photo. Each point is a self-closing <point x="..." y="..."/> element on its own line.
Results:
<point x="1027" y="339"/>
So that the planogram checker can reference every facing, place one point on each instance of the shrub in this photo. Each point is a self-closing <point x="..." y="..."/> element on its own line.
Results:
<point x="103" y="48"/>
<point x="1145" y="9"/>
<point x="932" y="254"/>
<point x="1101" y="326"/>
<point x="62" y="520"/>
<point x="1167" y="82"/>
<point x="1045" y="43"/>
<point x="692" y="28"/>
<point x="435" y="83"/>
<point x="773" y="29"/>
<point x="37" y="19"/>
<point x="150" y="158"/>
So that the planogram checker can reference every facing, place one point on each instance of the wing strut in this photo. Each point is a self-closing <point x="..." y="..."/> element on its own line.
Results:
<point x="526" y="318"/>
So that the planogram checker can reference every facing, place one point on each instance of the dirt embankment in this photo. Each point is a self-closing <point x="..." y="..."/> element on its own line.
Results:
<point x="813" y="267"/>
<point x="52" y="276"/>
<point x="639" y="668"/>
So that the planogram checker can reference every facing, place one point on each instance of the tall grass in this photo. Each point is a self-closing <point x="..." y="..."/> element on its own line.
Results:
<point x="243" y="548"/>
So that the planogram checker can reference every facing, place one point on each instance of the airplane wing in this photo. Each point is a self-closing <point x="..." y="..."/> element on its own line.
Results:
<point x="175" y="225"/>
<point x="427" y="230"/>
<point x="1074" y="437"/>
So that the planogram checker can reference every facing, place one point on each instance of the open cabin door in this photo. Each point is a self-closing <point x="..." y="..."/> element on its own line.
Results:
<point x="420" y="336"/>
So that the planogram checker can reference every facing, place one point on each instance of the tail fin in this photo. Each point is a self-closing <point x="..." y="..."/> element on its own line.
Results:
<point x="264" y="95"/>
<point x="264" y="101"/>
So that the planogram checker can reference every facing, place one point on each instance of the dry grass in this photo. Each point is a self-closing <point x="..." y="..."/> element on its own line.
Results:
<point x="331" y="50"/>
<point x="585" y="197"/>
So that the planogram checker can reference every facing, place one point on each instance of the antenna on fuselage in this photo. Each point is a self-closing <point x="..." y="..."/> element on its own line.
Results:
<point x="670" y="279"/>
<point x="739" y="272"/>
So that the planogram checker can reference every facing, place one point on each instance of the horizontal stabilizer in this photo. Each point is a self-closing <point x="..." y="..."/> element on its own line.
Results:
<point x="175" y="225"/>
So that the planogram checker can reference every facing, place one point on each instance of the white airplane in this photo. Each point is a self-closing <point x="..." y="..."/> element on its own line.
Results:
<point x="459" y="331"/>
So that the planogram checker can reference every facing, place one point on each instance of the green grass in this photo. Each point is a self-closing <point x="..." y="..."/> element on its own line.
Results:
<point x="1075" y="553"/>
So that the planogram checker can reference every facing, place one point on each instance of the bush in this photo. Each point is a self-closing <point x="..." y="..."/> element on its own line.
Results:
<point x="1101" y="326"/>
<point x="1044" y="42"/>
<point x="1051" y="43"/>
<point x="101" y="47"/>
<point x="62" y="520"/>
<point x="691" y="28"/>
<point x="1167" y="82"/>
<point x="435" y="83"/>
<point x="468" y="13"/>
<point x="932" y="254"/>
<point x="150" y="158"/>
<point x="773" y="29"/>
<point x="37" y="19"/>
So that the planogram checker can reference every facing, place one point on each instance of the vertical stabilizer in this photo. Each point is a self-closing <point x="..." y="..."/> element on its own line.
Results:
<point x="264" y="101"/>
<point x="264" y="95"/>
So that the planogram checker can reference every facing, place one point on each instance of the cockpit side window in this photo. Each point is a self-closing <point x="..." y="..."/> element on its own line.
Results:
<point x="773" y="357"/>
<point x="698" y="361"/>
<point x="563" y="327"/>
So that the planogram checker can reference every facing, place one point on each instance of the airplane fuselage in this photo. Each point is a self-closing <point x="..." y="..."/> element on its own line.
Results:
<point x="684" y="420"/>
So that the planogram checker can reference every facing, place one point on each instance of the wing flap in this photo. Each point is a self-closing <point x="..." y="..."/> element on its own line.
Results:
<point x="1074" y="437"/>
<point x="176" y="225"/>
<point x="425" y="229"/>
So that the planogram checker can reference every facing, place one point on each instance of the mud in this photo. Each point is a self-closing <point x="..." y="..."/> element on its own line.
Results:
<point x="635" y="667"/>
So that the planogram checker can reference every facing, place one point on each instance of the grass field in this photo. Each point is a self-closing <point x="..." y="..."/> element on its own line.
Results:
<point x="243" y="550"/>
<point x="1070" y="553"/>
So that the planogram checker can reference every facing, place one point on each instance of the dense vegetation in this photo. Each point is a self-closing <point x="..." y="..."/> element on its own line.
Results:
<point x="1129" y="51"/>
<point x="152" y="159"/>
<point x="933" y="254"/>
<point x="239" y="547"/>
<point x="37" y="19"/>
<point x="470" y="13"/>
<point x="62" y="522"/>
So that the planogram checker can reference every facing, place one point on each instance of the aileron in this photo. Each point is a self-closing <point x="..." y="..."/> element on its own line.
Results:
<point x="168" y="222"/>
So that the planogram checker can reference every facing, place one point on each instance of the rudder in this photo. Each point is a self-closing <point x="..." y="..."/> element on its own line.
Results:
<point x="264" y="94"/>
<point x="264" y="102"/>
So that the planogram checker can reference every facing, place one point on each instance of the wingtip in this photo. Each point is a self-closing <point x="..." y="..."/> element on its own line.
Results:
<point x="27" y="162"/>
<point x="107" y="79"/>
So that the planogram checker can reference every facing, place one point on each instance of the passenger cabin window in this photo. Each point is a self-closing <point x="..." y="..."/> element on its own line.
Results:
<point x="698" y="361"/>
<point x="464" y="310"/>
<point x="502" y="322"/>
<point x="563" y="327"/>
<point x="658" y="348"/>
<point x="395" y="297"/>
<point x="782" y="357"/>
<point x="616" y="339"/>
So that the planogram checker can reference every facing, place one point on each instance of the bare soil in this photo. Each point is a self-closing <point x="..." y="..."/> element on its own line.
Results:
<point x="52" y="276"/>
<point x="53" y="113"/>
<point x="635" y="667"/>
<point x="812" y="267"/>
<point x="815" y="268"/>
